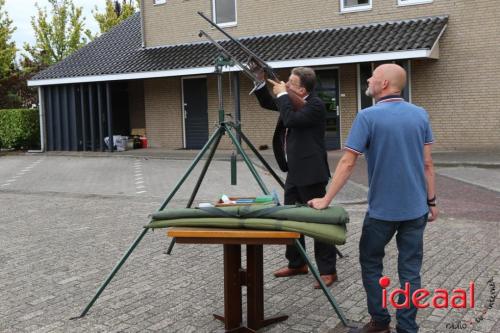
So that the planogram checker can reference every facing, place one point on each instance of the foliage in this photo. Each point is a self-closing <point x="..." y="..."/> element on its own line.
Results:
<point x="14" y="91"/>
<point x="7" y="47"/>
<point x="57" y="37"/>
<point x="19" y="128"/>
<point x="114" y="13"/>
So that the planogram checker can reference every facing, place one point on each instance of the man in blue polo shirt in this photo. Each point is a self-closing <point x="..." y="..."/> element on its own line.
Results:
<point x="395" y="137"/>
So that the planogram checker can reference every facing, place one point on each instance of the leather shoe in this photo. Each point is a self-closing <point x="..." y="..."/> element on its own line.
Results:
<point x="286" y="271"/>
<point x="328" y="280"/>
<point x="375" y="327"/>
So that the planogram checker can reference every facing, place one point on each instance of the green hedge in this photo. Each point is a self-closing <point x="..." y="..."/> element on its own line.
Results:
<point x="19" y="129"/>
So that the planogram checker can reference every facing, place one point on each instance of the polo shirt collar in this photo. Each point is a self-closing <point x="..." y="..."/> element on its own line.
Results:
<point x="390" y="98"/>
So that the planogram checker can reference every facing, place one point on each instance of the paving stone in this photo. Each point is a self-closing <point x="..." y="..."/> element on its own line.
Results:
<point x="61" y="238"/>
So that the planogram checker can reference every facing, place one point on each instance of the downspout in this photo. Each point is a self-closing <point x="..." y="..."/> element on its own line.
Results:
<point x="41" y="113"/>
<point x="143" y="37"/>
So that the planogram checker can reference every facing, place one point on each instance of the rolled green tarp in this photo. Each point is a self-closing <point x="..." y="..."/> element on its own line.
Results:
<point x="330" y="215"/>
<point x="329" y="233"/>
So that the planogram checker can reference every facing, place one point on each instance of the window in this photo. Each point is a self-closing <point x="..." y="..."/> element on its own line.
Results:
<point x="364" y="73"/>
<point x="224" y="12"/>
<point x="412" y="2"/>
<point x="159" y="2"/>
<point x="355" y="5"/>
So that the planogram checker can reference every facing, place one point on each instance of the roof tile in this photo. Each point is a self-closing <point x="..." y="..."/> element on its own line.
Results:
<point x="119" y="50"/>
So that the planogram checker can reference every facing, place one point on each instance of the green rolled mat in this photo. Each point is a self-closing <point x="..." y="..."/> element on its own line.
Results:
<point x="330" y="215"/>
<point x="264" y="199"/>
<point x="329" y="233"/>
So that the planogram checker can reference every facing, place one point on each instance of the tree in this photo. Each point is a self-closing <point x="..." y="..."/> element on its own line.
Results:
<point x="114" y="13"/>
<point x="14" y="91"/>
<point x="7" y="48"/>
<point x="58" y="37"/>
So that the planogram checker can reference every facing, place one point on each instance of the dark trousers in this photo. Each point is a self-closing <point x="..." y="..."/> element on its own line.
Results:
<point x="325" y="254"/>
<point x="409" y="239"/>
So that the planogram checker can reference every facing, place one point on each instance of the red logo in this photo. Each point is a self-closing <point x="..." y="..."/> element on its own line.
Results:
<point x="440" y="298"/>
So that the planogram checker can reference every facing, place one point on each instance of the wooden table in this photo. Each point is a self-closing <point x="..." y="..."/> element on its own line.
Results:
<point x="234" y="275"/>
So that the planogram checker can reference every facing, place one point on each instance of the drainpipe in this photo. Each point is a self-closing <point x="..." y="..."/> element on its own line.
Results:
<point x="41" y="112"/>
<point x="143" y="28"/>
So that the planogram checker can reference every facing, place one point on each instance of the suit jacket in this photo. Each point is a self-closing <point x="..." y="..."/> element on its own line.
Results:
<point x="306" y="160"/>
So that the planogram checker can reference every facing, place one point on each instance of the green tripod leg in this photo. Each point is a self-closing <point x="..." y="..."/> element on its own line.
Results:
<point x="205" y="167"/>
<point x="112" y="274"/>
<point x="259" y="156"/>
<point x="217" y="134"/>
<point x="326" y="291"/>
<point x="200" y="179"/>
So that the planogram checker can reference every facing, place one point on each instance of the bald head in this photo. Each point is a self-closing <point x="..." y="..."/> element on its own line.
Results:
<point x="387" y="79"/>
<point x="395" y="74"/>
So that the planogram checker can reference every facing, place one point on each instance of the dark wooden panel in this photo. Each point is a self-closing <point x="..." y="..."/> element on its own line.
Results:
<point x="99" y="117"/>
<point x="57" y="118"/>
<point x="109" y="116"/>
<point x="92" y="117"/>
<point x="49" y="118"/>
<point x="83" y="114"/>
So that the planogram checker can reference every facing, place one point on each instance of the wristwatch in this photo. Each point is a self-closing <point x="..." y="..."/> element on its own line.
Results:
<point x="432" y="202"/>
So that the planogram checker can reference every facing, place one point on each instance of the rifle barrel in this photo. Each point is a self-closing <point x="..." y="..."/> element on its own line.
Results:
<point x="228" y="54"/>
<point x="255" y="57"/>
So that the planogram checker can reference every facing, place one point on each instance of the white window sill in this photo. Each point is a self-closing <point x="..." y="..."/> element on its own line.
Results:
<point x="227" y="24"/>
<point x="159" y="3"/>
<point x="411" y="3"/>
<point x="355" y="9"/>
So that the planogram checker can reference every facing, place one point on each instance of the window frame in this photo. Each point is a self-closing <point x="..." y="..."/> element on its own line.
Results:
<point x="403" y="3"/>
<point x="363" y="8"/>
<point x="159" y="2"/>
<point x="225" y="24"/>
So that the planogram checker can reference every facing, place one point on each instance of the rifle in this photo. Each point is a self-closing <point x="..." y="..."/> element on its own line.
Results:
<point x="253" y="63"/>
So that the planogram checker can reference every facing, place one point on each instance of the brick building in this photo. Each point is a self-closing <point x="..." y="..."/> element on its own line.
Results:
<point x="153" y="71"/>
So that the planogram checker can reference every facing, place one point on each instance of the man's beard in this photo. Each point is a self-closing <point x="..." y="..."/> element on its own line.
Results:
<point x="368" y="92"/>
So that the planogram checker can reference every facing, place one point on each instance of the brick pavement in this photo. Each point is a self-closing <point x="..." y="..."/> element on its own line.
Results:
<point x="58" y="246"/>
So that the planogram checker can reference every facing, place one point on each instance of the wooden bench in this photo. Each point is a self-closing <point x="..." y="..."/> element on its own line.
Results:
<point x="234" y="275"/>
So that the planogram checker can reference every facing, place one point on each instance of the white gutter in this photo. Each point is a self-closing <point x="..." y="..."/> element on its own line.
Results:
<point x="41" y="113"/>
<point x="383" y="56"/>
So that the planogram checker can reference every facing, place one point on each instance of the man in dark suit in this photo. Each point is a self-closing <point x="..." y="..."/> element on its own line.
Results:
<point x="300" y="149"/>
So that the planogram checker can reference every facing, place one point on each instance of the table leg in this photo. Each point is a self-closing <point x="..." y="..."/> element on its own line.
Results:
<point x="232" y="286"/>
<point x="255" y="289"/>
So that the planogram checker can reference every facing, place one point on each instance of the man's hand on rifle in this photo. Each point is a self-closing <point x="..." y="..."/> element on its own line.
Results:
<point x="278" y="87"/>
<point x="258" y="71"/>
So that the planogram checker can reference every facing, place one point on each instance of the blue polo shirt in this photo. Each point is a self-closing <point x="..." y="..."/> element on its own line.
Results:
<point x="392" y="134"/>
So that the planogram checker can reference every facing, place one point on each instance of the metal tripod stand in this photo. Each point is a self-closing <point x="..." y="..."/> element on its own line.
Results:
<point x="232" y="130"/>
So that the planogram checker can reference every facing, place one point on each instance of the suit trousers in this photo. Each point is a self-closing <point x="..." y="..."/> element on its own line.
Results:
<point x="325" y="254"/>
